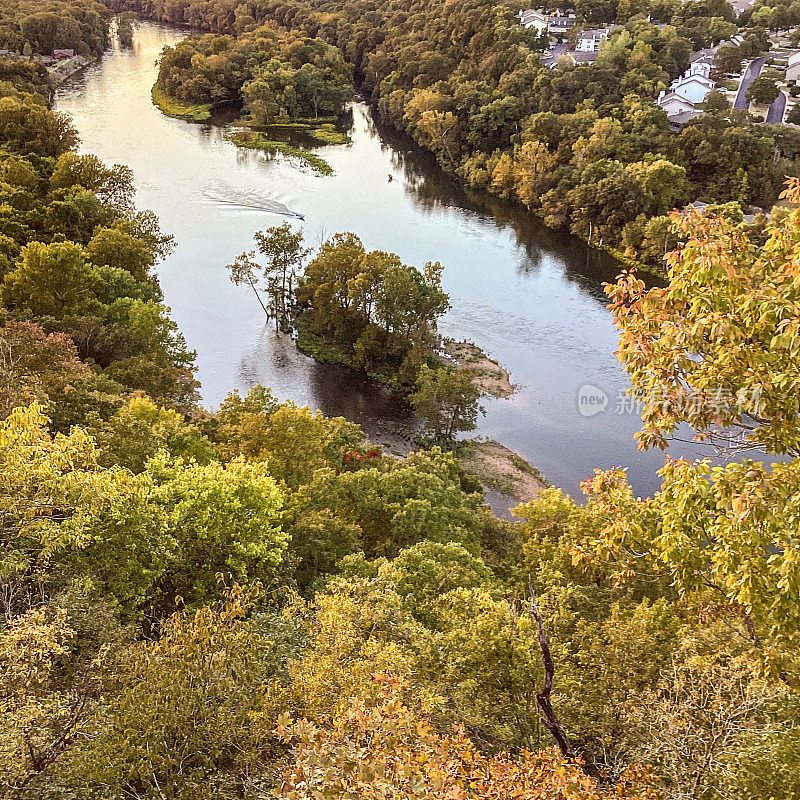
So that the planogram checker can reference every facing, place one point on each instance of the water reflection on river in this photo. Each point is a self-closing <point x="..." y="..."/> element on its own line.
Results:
<point x="531" y="297"/>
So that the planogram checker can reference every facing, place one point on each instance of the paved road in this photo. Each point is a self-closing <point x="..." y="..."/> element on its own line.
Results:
<point x="552" y="55"/>
<point x="749" y="76"/>
<point x="777" y="110"/>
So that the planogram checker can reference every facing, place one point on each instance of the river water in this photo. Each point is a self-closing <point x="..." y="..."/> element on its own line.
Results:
<point x="530" y="297"/>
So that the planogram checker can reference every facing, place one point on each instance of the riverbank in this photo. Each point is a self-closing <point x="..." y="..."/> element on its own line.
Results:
<point x="502" y="470"/>
<point x="488" y="375"/>
<point x="68" y="67"/>
<point x="506" y="477"/>
<point x="58" y="70"/>
<point x="173" y="108"/>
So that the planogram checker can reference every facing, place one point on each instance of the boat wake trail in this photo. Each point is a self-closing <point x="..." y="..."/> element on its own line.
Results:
<point x="251" y="200"/>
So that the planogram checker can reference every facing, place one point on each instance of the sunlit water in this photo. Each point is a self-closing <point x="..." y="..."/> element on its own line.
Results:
<point x="530" y="297"/>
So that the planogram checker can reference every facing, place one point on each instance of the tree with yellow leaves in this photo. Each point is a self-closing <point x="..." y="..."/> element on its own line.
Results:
<point x="390" y="751"/>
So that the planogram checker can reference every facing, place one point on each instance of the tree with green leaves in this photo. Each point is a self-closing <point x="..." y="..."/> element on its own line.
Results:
<point x="187" y="710"/>
<point x="54" y="279"/>
<point x="371" y="310"/>
<point x="49" y="487"/>
<point x="178" y="529"/>
<point x="284" y="253"/>
<point x="31" y="126"/>
<point x="112" y="184"/>
<point x="725" y="328"/>
<point x="115" y="248"/>
<point x="763" y="90"/>
<point x="704" y="351"/>
<point x="446" y="403"/>
<point x="727" y="60"/>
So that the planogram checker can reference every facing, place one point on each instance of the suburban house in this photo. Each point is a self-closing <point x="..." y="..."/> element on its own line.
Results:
<point x="679" y="109"/>
<point x="694" y="84"/>
<point x="674" y="103"/>
<point x="590" y="41"/>
<point x="63" y="54"/>
<point x="555" y="56"/>
<point x="546" y="23"/>
<point x="679" y="120"/>
<point x="560" y="24"/>
<point x="705" y="56"/>
<point x="689" y="90"/>
<point x="701" y="65"/>
<point x="740" y="6"/>
<point x="793" y="70"/>
<point x="534" y="19"/>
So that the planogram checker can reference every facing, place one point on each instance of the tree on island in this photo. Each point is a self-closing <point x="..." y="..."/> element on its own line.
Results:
<point x="446" y="401"/>
<point x="125" y="23"/>
<point x="284" y="252"/>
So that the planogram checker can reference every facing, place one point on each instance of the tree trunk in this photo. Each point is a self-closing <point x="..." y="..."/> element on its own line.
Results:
<point x="258" y="297"/>
<point x="551" y="719"/>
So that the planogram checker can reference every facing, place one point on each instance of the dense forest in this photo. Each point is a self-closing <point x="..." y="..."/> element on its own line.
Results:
<point x="281" y="77"/>
<point x="582" y="145"/>
<point x="41" y="26"/>
<point x="258" y="603"/>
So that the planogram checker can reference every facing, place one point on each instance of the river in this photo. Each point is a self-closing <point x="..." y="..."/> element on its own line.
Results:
<point x="530" y="297"/>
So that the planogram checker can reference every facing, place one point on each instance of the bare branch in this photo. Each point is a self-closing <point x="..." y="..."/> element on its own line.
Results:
<point x="551" y="720"/>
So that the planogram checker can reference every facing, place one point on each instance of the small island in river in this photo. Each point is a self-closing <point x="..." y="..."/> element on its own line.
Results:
<point x="367" y="311"/>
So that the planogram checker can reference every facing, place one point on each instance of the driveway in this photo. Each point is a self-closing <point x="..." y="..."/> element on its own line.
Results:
<point x="777" y="110"/>
<point x="549" y="57"/>
<point x="751" y="73"/>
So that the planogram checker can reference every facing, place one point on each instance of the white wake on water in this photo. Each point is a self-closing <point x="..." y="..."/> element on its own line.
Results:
<point x="252" y="200"/>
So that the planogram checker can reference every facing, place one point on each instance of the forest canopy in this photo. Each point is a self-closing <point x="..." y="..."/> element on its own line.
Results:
<point x="257" y="602"/>
<point x="47" y="25"/>
<point x="582" y="145"/>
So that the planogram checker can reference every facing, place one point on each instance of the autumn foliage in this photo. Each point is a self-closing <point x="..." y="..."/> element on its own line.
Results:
<point x="389" y="751"/>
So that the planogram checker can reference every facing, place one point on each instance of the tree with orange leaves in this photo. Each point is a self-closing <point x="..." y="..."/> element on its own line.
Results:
<point x="719" y="346"/>
<point x="391" y="752"/>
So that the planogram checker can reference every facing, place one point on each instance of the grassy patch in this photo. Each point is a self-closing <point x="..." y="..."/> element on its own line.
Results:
<point x="257" y="141"/>
<point x="329" y="135"/>
<point x="523" y="466"/>
<point x="173" y="108"/>
<point x="324" y="132"/>
<point x="304" y="122"/>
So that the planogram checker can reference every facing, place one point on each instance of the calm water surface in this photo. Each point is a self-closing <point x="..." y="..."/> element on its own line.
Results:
<point x="532" y="298"/>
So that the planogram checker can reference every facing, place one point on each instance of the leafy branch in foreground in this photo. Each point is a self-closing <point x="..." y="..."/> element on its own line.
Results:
<point x="718" y="348"/>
